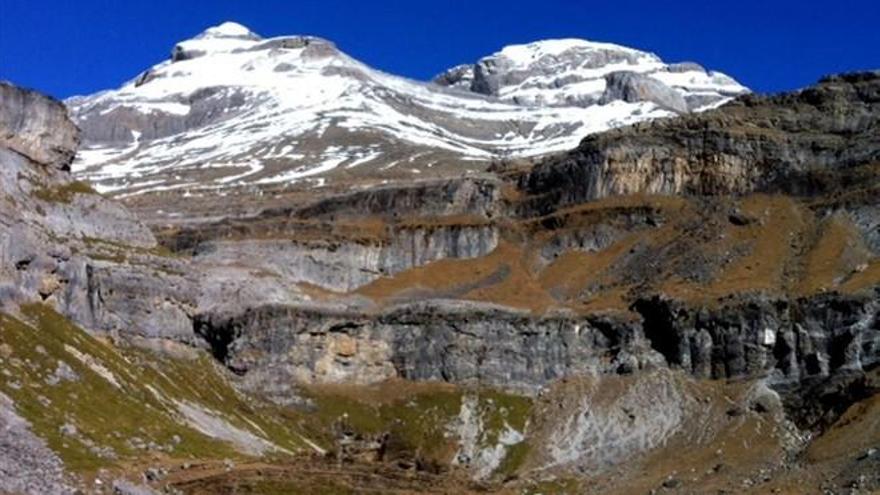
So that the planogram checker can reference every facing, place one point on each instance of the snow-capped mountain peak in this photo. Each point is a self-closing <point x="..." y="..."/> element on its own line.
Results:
<point x="230" y="109"/>
<point x="576" y="72"/>
<point x="225" y="38"/>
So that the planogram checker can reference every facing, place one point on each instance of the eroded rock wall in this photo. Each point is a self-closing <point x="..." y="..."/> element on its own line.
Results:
<point x="790" y="341"/>
<point x="755" y="143"/>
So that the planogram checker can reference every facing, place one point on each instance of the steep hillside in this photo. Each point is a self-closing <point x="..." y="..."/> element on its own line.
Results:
<point x="685" y="306"/>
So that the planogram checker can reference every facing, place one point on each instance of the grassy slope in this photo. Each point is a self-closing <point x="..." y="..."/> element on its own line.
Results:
<point x="127" y="393"/>
<point x="785" y="249"/>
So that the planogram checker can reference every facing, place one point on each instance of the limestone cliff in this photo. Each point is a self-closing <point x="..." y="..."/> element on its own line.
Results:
<point x="756" y="143"/>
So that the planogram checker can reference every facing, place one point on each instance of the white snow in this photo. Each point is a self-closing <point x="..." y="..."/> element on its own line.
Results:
<point x="529" y="53"/>
<point x="228" y="28"/>
<point x="696" y="81"/>
<point x="294" y="96"/>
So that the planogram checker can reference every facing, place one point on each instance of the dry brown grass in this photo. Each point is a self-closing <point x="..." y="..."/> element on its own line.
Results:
<point x="783" y="250"/>
<point x="834" y="256"/>
<point x="518" y="289"/>
<point x="387" y="392"/>
<point x="439" y="276"/>
<point x="773" y="241"/>
<point x="855" y="432"/>
<point x="865" y="279"/>
<point x="571" y="272"/>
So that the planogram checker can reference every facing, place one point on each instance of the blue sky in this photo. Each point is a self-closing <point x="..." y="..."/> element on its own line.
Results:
<point x="81" y="46"/>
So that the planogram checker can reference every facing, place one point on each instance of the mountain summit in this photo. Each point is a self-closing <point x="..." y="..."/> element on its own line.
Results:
<point x="575" y="72"/>
<point x="230" y="110"/>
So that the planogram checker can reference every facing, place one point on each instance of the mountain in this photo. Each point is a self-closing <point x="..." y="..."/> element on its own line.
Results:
<point x="230" y="110"/>
<point x="687" y="305"/>
<point x="580" y="73"/>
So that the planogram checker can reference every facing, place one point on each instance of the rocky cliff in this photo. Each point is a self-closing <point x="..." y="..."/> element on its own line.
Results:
<point x="783" y="143"/>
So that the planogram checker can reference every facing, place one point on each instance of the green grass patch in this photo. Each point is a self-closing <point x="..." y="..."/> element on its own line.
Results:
<point x="502" y="409"/>
<point x="104" y="414"/>
<point x="417" y="422"/>
<point x="123" y="393"/>
<point x="555" y="487"/>
<point x="514" y="459"/>
<point x="63" y="193"/>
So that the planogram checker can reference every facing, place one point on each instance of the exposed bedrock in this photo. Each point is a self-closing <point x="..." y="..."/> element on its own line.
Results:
<point x="477" y="197"/>
<point x="37" y="127"/>
<point x="783" y="143"/>
<point x="792" y="342"/>
<point x="344" y="266"/>
<point x="48" y="224"/>
<point x="130" y="124"/>
<point x="635" y="87"/>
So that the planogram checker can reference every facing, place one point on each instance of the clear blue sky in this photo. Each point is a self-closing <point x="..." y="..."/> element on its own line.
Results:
<point x="67" y="47"/>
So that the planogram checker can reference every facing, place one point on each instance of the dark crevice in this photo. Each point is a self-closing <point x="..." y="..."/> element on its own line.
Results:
<point x="219" y="335"/>
<point x="838" y="349"/>
<point x="658" y="324"/>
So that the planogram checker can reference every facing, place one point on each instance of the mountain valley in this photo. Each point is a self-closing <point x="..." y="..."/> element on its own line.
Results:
<point x="264" y="267"/>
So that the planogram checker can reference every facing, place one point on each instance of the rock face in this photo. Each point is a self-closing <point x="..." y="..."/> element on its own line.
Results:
<point x="47" y="219"/>
<point x="37" y="127"/>
<point x="347" y="266"/>
<point x="759" y="143"/>
<point x="632" y="87"/>
<point x="64" y="245"/>
<point x="791" y="331"/>
<point x="802" y="341"/>
<point x="27" y="465"/>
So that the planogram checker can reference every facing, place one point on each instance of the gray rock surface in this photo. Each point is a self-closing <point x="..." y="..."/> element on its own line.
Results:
<point x="790" y="143"/>
<point x="793" y="341"/>
<point x="346" y="266"/>
<point x="37" y="127"/>
<point x="27" y="465"/>
<point x="634" y="87"/>
<point x="125" y="487"/>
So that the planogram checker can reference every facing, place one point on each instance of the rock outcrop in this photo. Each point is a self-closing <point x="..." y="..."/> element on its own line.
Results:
<point x="27" y="465"/>
<point x="632" y="86"/>
<point x="47" y="221"/>
<point x="37" y="127"/>
<point x="757" y="143"/>
<point x="793" y="342"/>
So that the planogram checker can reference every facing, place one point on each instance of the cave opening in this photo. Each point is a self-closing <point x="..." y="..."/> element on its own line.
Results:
<point x="658" y="323"/>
